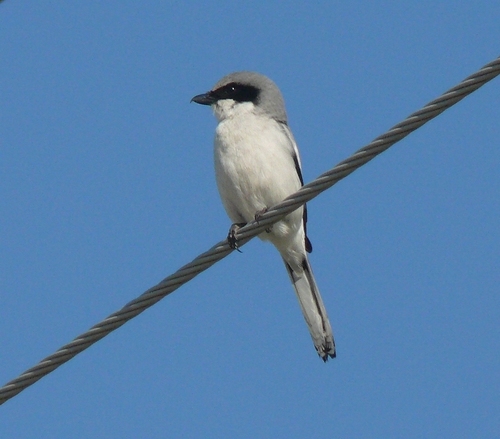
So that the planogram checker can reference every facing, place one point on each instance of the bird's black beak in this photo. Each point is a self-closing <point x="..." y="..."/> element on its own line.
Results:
<point x="205" y="98"/>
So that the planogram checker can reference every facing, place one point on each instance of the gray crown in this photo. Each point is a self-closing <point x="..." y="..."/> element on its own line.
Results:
<point x="269" y="100"/>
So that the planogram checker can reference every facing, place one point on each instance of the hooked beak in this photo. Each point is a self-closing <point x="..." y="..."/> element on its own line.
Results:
<point x="208" y="98"/>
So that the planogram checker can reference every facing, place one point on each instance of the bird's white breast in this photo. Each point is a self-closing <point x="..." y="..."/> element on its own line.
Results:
<point x="255" y="168"/>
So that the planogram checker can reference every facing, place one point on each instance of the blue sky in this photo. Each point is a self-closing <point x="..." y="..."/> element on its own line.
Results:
<point x="107" y="187"/>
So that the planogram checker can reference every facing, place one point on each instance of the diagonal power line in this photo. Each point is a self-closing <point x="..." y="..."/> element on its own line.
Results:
<point x="274" y="214"/>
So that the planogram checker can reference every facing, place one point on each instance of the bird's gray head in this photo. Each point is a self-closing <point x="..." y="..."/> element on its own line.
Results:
<point x="245" y="87"/>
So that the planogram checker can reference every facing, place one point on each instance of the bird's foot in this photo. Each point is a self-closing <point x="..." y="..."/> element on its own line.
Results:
<point x="231" y="236"/>
<point x="259" y="214"/>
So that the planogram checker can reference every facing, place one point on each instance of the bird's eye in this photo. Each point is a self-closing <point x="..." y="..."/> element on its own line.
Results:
<point x="237" y="92"/>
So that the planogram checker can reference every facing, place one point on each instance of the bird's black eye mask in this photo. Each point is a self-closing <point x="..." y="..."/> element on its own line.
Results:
<point x="237" y="92"/>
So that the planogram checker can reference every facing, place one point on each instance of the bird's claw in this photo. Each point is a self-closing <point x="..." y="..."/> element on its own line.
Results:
<point x="231" y="236"/>
<point x="259" y="214"/>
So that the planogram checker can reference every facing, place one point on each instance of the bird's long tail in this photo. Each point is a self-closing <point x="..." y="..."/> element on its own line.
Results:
<point x="313" y="308"/>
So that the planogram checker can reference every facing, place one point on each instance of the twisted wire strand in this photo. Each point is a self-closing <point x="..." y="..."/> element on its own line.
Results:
<point x="274" y="214"/>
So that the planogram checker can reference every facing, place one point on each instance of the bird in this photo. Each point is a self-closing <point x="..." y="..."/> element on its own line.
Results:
<point x="257" y="165"/>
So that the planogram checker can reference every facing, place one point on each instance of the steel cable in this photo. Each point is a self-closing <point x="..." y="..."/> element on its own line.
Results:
<point x="222" y="249"/>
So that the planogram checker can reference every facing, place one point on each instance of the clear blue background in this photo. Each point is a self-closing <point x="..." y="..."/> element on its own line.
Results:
<point x="107" y="186"/>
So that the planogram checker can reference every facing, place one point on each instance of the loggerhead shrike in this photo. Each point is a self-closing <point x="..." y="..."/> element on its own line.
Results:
<point x="257" y="165"/>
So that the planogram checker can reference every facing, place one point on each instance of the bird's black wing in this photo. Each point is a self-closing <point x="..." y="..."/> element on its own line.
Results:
<point x="298" y="168"/>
